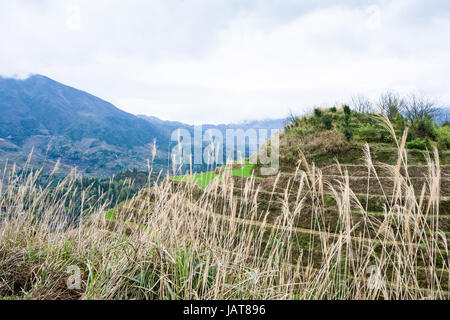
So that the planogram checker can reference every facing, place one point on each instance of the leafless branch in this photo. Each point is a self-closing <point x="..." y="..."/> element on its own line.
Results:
<point x="391" y="103"/>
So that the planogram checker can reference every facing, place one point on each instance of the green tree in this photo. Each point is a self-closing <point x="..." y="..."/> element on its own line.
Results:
<point x="317" y="112"/>
<point x="327" y="122"/>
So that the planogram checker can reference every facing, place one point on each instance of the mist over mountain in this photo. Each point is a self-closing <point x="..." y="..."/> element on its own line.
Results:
<point x="61" y="123"/>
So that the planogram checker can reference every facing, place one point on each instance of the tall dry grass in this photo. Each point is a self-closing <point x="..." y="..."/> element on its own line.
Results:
<point x="174" y="241"/>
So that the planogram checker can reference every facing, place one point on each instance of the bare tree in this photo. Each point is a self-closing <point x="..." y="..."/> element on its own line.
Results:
<point x="391" y="103"/>
<point x="291" y="120"/>
<point x="361" y="104"/>
<point x="419" y="108"/>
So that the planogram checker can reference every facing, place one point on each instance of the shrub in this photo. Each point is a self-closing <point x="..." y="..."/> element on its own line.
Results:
<point x="421" y="144"/>
<point x="327" y="122"/>
<point x="387" y="138"/>
<point x="410" y="137"/>
<point x="443" y="137"/>
<point x="348" y="134"/>
<point x="399" y="121"/>
<point x="368" y="133"/>
<point x="348" y="114"/>
<point x="333" y="109"/>
<point x="425" y="128"/>
<point x="347" y="110"/>
<point x="317" y="112"/>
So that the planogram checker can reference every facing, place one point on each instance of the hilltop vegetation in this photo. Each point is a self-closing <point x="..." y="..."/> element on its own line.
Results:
<point x="341" y="133"/>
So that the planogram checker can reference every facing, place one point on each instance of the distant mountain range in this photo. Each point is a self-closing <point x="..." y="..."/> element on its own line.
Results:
<point x="442" y="115"/>
<point x="254" y="124"/>
<point x="62" y="123"/>
<point x="171" y="126"/>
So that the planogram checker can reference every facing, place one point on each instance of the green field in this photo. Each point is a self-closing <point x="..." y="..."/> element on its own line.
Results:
<point x="244" y="172"/>
<point x="204" y="179"/>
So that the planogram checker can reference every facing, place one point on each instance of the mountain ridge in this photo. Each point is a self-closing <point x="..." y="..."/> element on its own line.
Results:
<point x="42" y="105"/>
<point x="65" y="125"/>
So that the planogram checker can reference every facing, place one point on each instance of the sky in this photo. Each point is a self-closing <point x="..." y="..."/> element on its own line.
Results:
<point x="216" y="61"/>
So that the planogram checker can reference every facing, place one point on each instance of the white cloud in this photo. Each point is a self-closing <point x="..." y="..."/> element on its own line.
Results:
<point x="221" y="61"/>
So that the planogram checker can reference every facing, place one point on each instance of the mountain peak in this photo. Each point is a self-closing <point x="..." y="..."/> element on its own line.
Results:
<point x="39" y="77"/>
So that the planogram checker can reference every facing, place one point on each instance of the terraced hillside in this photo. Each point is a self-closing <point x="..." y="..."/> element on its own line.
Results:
<point x="372" y="190"/>
<point x="329" y="227"/>
<point x="394" y="213"/>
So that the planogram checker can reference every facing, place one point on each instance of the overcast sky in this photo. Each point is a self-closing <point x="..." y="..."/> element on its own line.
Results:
<point x="229" y="60"/>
